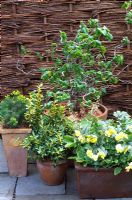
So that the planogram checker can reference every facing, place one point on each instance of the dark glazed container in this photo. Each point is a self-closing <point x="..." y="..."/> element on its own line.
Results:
<point x="103" y="183"/>
<point x="52" y="175"/>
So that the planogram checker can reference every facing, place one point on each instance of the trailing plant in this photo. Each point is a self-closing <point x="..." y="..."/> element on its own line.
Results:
<point x="12" y="110"/>
<point x="82" y="66"/>
<point x="48" y="143"/>
<point x="103" y="144"/>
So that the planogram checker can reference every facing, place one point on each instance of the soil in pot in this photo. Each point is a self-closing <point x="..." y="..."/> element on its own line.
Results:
<point x="103" y="183"/>
<point x="51" y="174"/>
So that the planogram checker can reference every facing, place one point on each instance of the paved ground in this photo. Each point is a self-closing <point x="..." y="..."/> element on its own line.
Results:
<point x="33" y="188"/>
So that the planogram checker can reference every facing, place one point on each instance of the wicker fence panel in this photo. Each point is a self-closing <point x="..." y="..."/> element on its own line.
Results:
<point x="36" y="25"/>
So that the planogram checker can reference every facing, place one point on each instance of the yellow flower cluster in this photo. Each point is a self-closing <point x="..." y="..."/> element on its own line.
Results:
<point x="81" y="139"/>
<point x="120" y="136"/>
<point x="101" y="154"/>
<point x="129" y="167"/>
<point x="92" y="139"/>
<point x="91" y="155"/>
<point x="77" y="133"/>
<point x="122" y="148"/>
<point x="110" y="132"/>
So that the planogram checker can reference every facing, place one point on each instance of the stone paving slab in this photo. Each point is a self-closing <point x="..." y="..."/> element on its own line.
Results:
<point x="3" y="161"/>
<point x="71" y="187"/>
<point x="7" y="185"/>
<point x="50" y="197"/>
<point x="33" y="185"/>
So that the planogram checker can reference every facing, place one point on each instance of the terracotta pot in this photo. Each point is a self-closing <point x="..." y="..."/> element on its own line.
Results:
<point x="103" y="183"/>
<point x="15" y="154"/>
<point x="52" y="175"/>
<point x="104" y="111"/>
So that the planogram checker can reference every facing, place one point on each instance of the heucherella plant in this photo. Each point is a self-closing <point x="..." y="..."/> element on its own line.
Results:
<point x="103" y="144"/>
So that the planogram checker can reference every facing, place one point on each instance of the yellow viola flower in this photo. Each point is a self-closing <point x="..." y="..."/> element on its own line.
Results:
<point x="81" y="139"/>
<point x="119" y="148"/>
<point x="129" y="167"/>
<point x="121" y="136"/>
<point x="110" y="132"/>
<point x="95" y="157"/>
<point x="92" y="139"/>
<point x="91" y="155"/>
<point x="102" y="154"/>
<point x="77" y="133"/>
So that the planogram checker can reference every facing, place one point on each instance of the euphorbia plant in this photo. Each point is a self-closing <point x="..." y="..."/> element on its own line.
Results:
<point x="82" y="67"/>
<point x="103" y="144"/>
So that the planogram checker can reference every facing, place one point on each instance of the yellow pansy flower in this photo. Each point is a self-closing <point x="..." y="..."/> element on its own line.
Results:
<point x="110" y="132"/>
<point x="121" y="136"/>
<point x="95" y="157"/>
<point x="81" y="139"/>
<point x="119" y="148"/>
<point x="92" y="139"/>
<point x="77" y="133"/>
<point x="129" y="167"/>
<point x="102" y="154"/>
<point x="91" y="155"/>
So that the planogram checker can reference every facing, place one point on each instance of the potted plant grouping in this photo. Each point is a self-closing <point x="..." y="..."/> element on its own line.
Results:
<point x="103" y="156"/>
<point x="46" y="141"/>
<point x="81" y="70"/>
<point x="14" y="128"/>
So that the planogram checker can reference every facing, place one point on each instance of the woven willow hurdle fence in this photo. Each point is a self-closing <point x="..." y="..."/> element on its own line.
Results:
<point x="36" y="25"/>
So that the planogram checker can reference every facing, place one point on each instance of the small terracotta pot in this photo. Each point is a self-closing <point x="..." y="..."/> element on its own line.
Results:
<point x="103" y="183"/>
<point x="52" y="175"/>
<point x="16" y="155"/>
<point x="103" y="111"/>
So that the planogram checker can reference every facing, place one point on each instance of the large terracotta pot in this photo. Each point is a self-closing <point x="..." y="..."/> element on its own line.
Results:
<point x="52" y="175"/>
<point x="103" y="183"/>
<point x="16" y="155"/>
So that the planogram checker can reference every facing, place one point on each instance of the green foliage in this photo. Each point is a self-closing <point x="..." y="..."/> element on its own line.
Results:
<point x="125" y="41"/>
<point x="82" y="67"/>
<point x="129" y="17"/>
<point x="12" y="110"/>
<point x="106" y="144"/>
<point x="48" y="142"/>
<point x="127" y="5"/>
<point x="35" y="108"/>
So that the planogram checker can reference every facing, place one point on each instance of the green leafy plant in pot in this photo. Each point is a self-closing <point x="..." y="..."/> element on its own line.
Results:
<point x="14" y="128"/>
<point x="46" y="143"/>
<point x="81" y="69"/>
<point x="103" y="156"/>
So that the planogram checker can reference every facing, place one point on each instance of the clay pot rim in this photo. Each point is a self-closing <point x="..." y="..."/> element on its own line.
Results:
<point x="105" y="110"/>
<point x="51" y="163"/>
<point x="79" y="167"/>
<point x="15" y="130"/>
